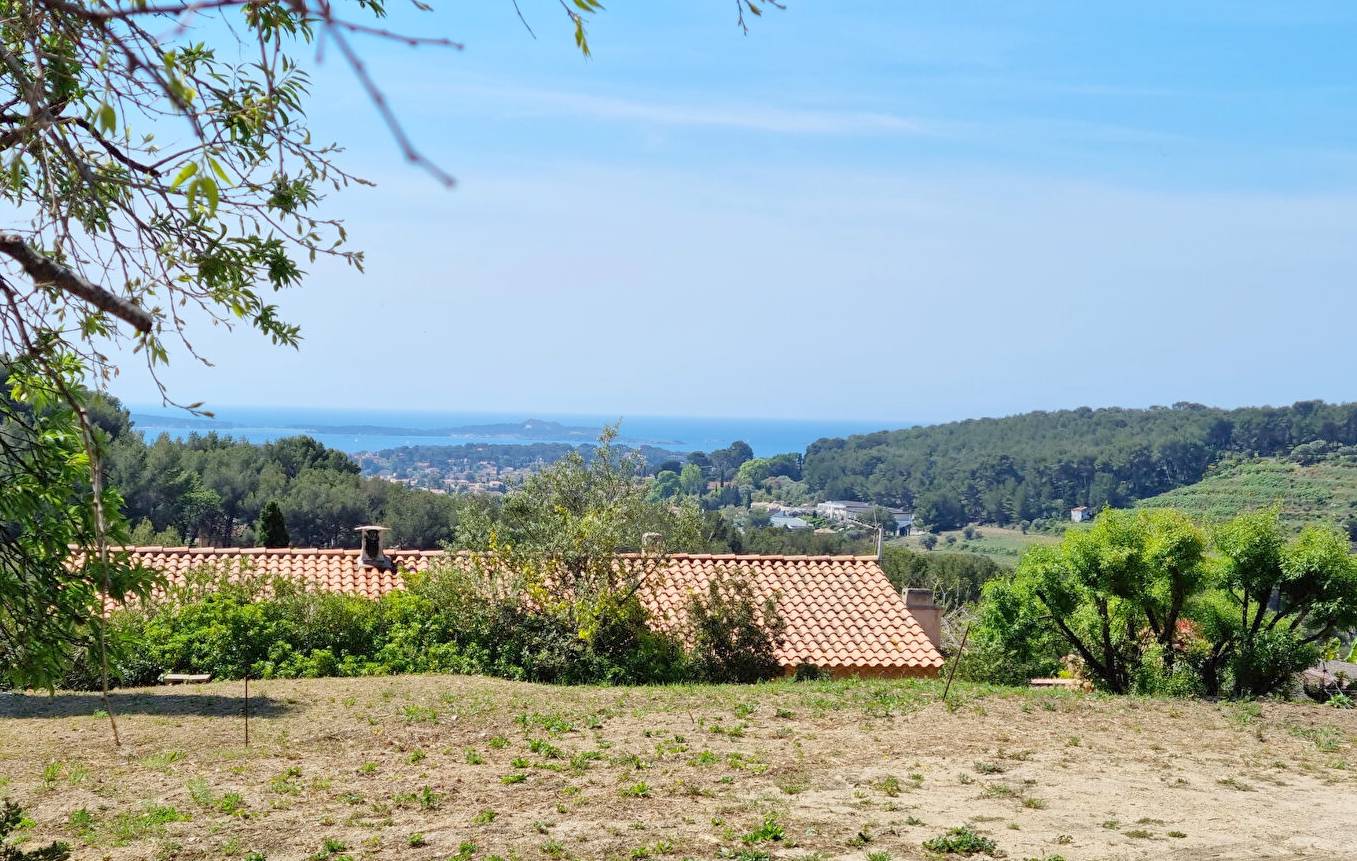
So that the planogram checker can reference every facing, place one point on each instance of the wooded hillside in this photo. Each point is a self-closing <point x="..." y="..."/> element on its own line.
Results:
<point x="1040" y="464"/>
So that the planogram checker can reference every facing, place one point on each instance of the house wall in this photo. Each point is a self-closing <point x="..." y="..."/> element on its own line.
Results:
<point x="873" y="672"/>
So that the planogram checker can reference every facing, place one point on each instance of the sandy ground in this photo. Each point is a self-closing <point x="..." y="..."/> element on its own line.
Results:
<point x="471" y="768"/>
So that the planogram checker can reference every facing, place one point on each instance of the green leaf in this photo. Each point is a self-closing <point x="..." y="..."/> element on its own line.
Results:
<point x="211" y="192"/>
<point x="580" y="39"/>
<point x="185" y="173"/>
<point x="218" y="170"/>
<point x="108" y="118"/>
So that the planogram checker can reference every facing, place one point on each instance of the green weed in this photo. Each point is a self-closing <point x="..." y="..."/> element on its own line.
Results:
<point x="770" y="830"/>
<point x="151" y="821"/>
<point x="961" y="841"/>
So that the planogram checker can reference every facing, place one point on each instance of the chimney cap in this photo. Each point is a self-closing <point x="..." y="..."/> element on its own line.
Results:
<point x="916" y="597"/>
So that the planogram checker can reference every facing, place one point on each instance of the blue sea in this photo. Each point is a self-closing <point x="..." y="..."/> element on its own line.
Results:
<point x="353" y="430"/>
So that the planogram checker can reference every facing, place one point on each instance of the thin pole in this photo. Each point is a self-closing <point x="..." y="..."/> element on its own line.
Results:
<point x="247" y="709"/>
<point x="951" y="675"/>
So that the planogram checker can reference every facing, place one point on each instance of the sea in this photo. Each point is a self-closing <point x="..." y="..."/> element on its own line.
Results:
<point x="354" y="430"/>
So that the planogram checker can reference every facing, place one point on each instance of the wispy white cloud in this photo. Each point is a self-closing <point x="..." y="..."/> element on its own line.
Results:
<point x="781" y="119"/>
<point x="748" y="116"/>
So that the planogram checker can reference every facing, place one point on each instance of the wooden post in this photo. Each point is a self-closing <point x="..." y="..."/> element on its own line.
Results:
<point x="959" y="652"/>
<point x="247" y="709"/>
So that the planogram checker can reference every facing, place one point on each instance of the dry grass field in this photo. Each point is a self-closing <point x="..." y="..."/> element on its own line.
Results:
<point x="472" y="768"/>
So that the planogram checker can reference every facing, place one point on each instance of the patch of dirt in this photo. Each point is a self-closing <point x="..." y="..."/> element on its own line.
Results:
<point x="437" y="767"/>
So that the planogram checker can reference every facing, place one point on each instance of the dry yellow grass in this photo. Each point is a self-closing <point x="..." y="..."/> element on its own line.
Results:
<point x="429" y="768"/>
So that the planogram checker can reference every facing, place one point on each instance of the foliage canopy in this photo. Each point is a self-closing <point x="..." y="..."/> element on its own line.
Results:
<point x="1146" y="600"/>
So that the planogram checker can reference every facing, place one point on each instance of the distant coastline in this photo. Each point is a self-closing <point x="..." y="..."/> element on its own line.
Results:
<point x="528" y="430"/>
<point x="356" y="431"/>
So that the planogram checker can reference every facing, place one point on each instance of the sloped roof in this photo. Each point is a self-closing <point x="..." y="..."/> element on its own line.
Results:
<point x="841" y="611"/>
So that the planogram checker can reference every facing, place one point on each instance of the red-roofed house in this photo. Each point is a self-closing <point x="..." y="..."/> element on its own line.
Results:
<point x="842" y="613"/>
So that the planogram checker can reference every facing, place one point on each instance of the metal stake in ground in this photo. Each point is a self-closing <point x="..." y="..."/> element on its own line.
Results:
<point x="247" y="710"/>
<point x="959" y="652"/>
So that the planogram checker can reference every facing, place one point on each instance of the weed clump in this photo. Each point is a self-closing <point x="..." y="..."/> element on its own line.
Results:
<point x="961" y="841"/>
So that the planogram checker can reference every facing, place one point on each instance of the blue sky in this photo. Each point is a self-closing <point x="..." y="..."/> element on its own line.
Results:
<point x="886" y="210"/>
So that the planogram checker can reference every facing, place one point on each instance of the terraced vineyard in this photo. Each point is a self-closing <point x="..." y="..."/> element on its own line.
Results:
<point x="1324" y="492"/>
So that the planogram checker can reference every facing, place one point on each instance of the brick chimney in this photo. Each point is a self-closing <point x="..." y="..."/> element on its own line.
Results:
<point x="926" y="613"/>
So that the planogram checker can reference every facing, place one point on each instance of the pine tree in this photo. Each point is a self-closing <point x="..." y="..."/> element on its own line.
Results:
<point x="143" y="533"/>
<point x="271" y="529"/>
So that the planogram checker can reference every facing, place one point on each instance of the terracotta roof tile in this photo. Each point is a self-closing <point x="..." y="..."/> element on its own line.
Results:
<point x="841" y="611"/>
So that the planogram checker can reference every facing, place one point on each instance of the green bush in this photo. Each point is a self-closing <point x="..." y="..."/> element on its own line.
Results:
<point x="1152" y="676"/>
<point x="1267" y="662"/>
<point x="448" y="620"/>
<point x="734" y="635"/>
<point x="1012" y="640"/>
<point x="810" y="673"/>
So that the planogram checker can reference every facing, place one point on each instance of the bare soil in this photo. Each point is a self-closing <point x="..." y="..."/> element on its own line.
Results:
<point x="438" y="767"/>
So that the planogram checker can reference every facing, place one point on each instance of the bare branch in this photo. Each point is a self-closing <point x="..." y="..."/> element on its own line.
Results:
<point x="523" y="21"/>
<point x="44" y="270"/>
<point x="393" y="124"/>
<point x="113" y="150"/>
<point x="115" y="13"/>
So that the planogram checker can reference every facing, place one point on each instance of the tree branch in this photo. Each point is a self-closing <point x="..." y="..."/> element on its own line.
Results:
<point x="44" y="270"/>
<point x="1084" y="651"/>
<point x="113" y="150"/>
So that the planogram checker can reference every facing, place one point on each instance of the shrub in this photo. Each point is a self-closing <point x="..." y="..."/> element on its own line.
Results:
<point x="1152" y="677"/>
<point x="810" y="673"/>
<point x="1011" y="641"/>
<point x="453" y="618"/>
<point x="734" y="635"/>
<point x="11" y="817"/>
<point x="1266" y="662"/>
<point x="1151" y="603"/>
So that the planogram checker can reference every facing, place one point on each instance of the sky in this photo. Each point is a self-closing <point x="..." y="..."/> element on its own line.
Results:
<point x="910" y="212"/>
